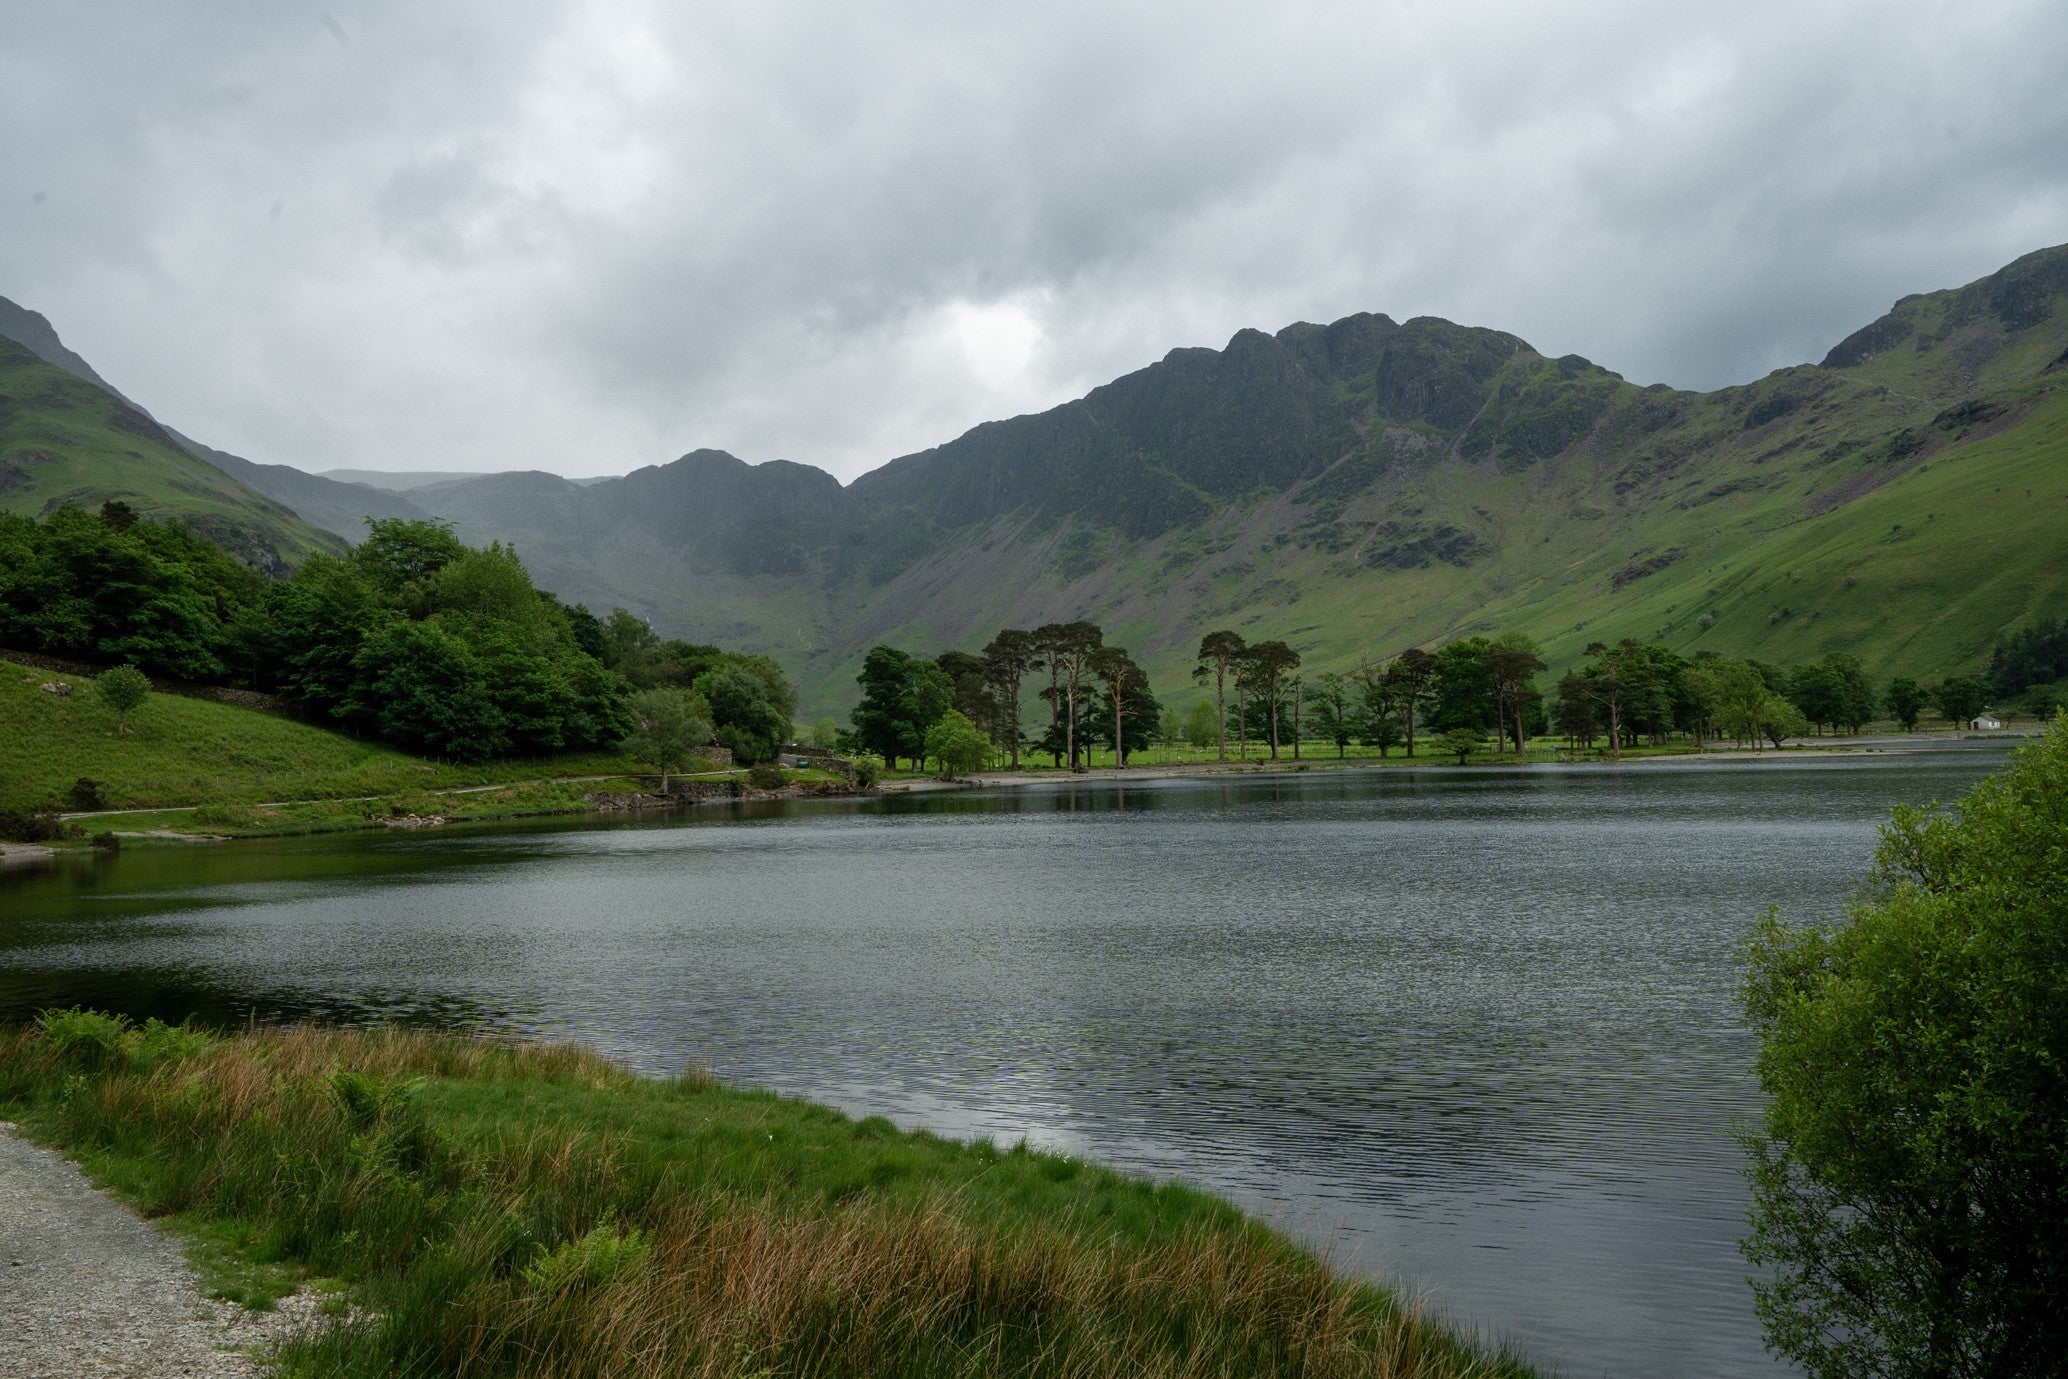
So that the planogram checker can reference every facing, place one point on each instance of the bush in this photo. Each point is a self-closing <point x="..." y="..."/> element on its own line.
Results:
<point x="766" y="775"/>
<point x="30" y="826"/>
<point x="86" y="795"/>
<point x="1909" y="1178"/>
<point x="865" y="774"/>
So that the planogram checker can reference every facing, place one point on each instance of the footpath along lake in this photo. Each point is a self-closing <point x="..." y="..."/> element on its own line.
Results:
<point x="1476" y="1027"/>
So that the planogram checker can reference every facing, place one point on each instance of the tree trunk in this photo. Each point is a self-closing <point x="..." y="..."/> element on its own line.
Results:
<point x="1271" y="710"/>
<point x="1299" y="696"/>
<point x="1241" y="723"/>
<point x="1119" y="744"/>
<point x="1221" y="709"/>
<point x="1520" y="749"/>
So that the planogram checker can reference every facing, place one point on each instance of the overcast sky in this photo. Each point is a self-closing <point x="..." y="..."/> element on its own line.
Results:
<point x="592" y="236"/>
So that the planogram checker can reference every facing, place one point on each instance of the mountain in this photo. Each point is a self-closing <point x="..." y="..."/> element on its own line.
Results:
<point x="1353" y="488"/>
<point x="66" y="440"/>
<point x="100" y="469"/>
<point x="1367" y="485"/>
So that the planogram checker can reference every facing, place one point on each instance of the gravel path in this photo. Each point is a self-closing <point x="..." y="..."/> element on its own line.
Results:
<point x="89" y="1289"/>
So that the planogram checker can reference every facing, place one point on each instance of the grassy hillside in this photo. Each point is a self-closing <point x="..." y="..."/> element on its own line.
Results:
<point x="63" y="440"/>
<point x="181" y="751"/>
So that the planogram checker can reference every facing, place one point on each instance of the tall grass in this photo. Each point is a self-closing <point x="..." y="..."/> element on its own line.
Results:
<point x="507" y="1209"/>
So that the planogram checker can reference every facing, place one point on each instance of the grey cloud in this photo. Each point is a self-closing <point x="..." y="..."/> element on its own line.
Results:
<point x="591" y="236"/>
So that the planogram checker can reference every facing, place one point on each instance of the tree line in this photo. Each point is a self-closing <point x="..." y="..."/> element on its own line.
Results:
<point x="1468" y="694"/>
<point x="412" y="637"/>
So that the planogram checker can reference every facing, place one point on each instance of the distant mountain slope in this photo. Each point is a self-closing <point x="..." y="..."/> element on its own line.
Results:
<point x="338" y="508"/>
<point x="1367" y="485"/>
<point x="65" y="440"/>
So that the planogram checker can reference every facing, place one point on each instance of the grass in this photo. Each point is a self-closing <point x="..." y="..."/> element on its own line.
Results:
<point x="492" y="1208"/>
<point x="181" y="751"/>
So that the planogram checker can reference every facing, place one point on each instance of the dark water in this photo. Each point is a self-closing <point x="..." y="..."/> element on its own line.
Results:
<point x="1475" y="1027"/>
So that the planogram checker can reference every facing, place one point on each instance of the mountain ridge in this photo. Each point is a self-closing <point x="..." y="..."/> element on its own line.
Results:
<point x="1365" y="484"/>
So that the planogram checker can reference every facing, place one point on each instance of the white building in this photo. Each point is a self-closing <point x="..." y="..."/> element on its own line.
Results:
<point x="1986" y="724"/>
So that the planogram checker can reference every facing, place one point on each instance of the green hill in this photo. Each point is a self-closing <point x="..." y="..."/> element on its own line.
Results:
<point x="65" y="440"/>
<point x="181" y="751"/>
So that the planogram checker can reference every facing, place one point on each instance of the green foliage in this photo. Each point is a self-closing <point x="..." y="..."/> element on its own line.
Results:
<point x="123" y="690"/>
<point x="1911" y="1171"/>
<point x="425" y="691"/>
<point x="86" y="795"/>
<point x="668" y="727"/>
<point x="24" y="825"/>
<point x="589" y="1261"/>
<point x="1905" y="700"/>
<point x="1201" y="723"/>
<point x="1460" y="742"/>
<point x="750" y="707"/>
<point x="825" y="735"/>
<point x="95" y="1041"/>
<point x="902" y="697"/>
<point x="766" y="775"/>
<point x="148" y="592"/>
<point x="959" y="745"/>
<point x="1959" y="697"/>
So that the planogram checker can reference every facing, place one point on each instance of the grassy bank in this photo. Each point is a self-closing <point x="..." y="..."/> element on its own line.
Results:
<point x="499" y="1209"/>
<point x="180" y="751"/>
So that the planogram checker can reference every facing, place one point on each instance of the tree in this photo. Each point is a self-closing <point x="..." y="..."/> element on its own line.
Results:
<point x="1905" y="700"/>
<point x="1334" y="713"/>
<point x="122" y="689"/>
<point x="1068" y="648"/>
<point x="1267" y="664"/>
<point x="425" y="691"/>
<point x="974" y="696"/>
<point x="1777" y="720"/>
<point x="1463" y="741"/>
<point x="1007" y="659"/>
<point x="1605" y="683"/>
<point x="825" y="734"/>
<point x="1461" y="686"/>
<point x="668" y="727"/>
<point x="744" y="717"/>
<point x="1410" y="673"/>
<point x="1219" y="653"/>
<point x="1960" y="697"/>
<point x="398" y="553"/>
<point x="1910" y="1178"/>
<point x="1377" y="710"/>
<point x="902" y="697"/>
<point x="1120" y="675"/>
<point x="959" y="745"/>
<point x="1202" y="724"/>
<point x="1513" y="661"/>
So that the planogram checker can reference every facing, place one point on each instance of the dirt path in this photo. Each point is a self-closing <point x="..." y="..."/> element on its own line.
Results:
<point x="89" y="1289"/>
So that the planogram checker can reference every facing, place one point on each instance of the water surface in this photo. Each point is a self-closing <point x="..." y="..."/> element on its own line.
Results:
<point x="1473" y="1027"/>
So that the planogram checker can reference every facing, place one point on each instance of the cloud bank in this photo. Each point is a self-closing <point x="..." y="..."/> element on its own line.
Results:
<point x="590" y="236"/>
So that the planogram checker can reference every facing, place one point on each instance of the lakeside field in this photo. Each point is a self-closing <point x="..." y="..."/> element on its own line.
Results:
<point x="481" y="1207"/>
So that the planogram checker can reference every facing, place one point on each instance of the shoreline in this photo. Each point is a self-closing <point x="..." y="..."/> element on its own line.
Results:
<point x="1287" y="766"/>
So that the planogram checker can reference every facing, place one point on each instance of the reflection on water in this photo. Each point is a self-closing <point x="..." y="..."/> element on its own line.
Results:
<point x="1474" y="1027"/>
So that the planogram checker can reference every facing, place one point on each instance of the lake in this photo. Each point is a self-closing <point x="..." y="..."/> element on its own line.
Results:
<point x="1472" y="1029"/>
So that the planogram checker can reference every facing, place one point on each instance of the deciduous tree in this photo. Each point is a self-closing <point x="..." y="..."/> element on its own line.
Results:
<point x="123" y="689"/>
<point x="1910" y="1177"/>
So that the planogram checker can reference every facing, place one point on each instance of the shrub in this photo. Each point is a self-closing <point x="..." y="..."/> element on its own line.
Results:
<point x="93" y="1040"/>
<point x="1909" y="1177"/>
<point x="86" y="795"/>
<point x="30" y="826"/>
<point x="766" y="775"/>
<point x="865" y="773"/>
